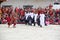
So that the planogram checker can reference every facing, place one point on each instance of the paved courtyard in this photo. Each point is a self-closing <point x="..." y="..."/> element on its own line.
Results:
<point x="25" y="32"/>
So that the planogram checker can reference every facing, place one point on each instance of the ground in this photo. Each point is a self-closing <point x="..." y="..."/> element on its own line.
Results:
<point x="25" y="32"/>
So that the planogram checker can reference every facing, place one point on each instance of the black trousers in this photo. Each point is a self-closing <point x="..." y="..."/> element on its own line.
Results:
<point x="0" y="22"/>
<point x="38" y="21"/>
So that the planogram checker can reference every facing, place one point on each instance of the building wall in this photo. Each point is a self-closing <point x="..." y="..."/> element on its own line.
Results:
<point x="20" y="3"/>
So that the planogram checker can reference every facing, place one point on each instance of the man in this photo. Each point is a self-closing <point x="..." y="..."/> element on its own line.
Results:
<point x="35" y="18"/>
<point x="31" y="17"/>
<point x="26" y="17"/>
<point x="42" y="19"/>
<point x="14" y="19"/>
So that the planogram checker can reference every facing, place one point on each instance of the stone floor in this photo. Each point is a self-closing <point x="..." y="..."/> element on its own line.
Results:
<point x="25" y="32"/>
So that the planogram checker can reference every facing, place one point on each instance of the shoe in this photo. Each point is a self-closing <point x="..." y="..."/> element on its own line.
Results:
<point x="40" y="25"/>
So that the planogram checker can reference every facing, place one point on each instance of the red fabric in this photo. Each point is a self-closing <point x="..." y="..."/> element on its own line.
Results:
<point x="59" y="21"/>
<point x="50" y="12"/>
<point x="17" y="10"/>
<point x="57" y="10"/>
<point x="22" y="12"/>
<point x="51" y="21"/>
<point x="39" y="11"/>
<point x="13" y="20"/>
<point x="4" y="21"/>
<point x="8" y="19"/>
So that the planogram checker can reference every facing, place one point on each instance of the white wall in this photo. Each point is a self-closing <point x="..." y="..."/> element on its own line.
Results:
<point x="20" y="3"/>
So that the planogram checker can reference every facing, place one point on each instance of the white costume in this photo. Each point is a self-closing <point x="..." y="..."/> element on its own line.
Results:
<point x="35" y="18"/>
<point x="31" y="14"/>
<point x="42" y="19"/>
<point x="26" y="14"/>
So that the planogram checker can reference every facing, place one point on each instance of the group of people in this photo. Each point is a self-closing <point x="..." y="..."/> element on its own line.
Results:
<point x="40" y="16"/>
<point x="33" y="18"/>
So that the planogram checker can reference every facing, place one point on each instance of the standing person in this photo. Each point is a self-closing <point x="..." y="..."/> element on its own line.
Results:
<point x="26" y="17"/>
<point x="14" y="19"/>
<point x="0" y="14"/>
<point x="42" y="19"/>
<point x="8" y="20"/>
<point x="59" y="21"/>
<point x="31" y="17"/>
<point x="35" y="18"/>
<point x="22" y="15"/>
<point x="0" y="21"/>
<point x="38" y="20"/>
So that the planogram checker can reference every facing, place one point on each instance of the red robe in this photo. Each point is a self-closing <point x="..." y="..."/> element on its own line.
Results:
<point x="22" y="13"/>
<point x="39" y="11"/>
<point x="50" y="12"/>
<point x="8" y="20"/>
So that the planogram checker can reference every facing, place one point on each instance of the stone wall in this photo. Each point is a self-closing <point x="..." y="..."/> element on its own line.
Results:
<point x="20" y="3"/>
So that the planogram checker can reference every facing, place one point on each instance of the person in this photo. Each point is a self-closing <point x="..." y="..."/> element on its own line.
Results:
<point x="57" y="20"/>
<point x="31" y="17"/>
<point x="35" y="18"/>
<point x="42" y="19"/>
<point x="22" y="13"/>
<point x="26" y="17"/>
<point x="38" y="20"/>
<point x="22" y="16"/>
<point x="0" y="21"/>
<point x="47" y="21"/>
<point x="14" y="19"/>
<point x="4" y="21"/>
<point x="0" y="15"/>
<point x="8" y="20"/>
<point x="51" y="12"/>
<point x="59" y="12"/>
<point x="56" y="12"/>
